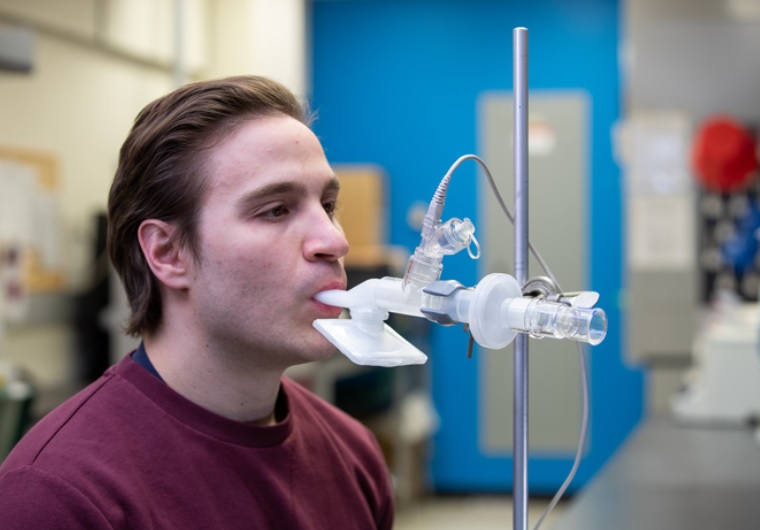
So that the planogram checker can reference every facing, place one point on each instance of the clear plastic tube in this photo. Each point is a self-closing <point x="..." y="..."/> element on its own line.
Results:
<point x="421" y="270"/>
<point x="541" y="318"/>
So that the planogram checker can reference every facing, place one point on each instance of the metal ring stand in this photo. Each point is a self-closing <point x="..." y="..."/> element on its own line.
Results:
<point x="520" y="413"/>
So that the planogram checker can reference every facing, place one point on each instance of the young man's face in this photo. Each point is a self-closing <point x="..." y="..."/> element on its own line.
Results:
<point x="268" y="244"/>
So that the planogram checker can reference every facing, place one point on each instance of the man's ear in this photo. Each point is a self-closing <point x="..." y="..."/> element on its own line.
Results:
<point x="162" y="251"/>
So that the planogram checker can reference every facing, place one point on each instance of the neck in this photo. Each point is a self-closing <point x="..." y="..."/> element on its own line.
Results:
<point x="227" y="383"/>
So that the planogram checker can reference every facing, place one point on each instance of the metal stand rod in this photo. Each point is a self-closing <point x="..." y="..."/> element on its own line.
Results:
<point x="520" y="413"/>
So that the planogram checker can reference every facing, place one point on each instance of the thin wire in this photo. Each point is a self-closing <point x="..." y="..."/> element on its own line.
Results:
<point x="584" y="375"/>
<point x="504" y="208"/>
<point x="581" y="440"/>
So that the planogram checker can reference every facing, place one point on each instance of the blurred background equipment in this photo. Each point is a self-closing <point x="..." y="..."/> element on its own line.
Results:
<point x="724" y="155"/>
<point x="16" y="49"/>
<point x="722" y="386"/>
<point x="16" y="398"/>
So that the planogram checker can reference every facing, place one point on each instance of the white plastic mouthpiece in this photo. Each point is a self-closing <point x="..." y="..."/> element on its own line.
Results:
<point x="337" y="298"/>
<point x="365" y="338"/>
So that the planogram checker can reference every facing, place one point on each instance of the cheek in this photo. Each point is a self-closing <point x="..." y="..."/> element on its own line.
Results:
<point x="245" y="258"/>
<point x="260" y="272"/>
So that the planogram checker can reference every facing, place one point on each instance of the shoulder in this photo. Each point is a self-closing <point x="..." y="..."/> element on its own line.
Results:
<point x="31" y="497"/>
<point x="52" y="427"/>
<point x="78" y="434"/>
<point x="73" y="467"/>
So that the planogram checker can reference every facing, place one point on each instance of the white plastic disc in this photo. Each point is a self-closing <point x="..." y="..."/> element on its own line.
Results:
<point x="486" y="323"/>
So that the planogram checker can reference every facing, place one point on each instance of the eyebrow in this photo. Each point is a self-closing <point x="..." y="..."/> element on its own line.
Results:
<point x="285" y="188"/>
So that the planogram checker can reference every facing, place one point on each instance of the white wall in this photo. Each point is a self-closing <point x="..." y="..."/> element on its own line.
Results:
<point x="265" y="37"/>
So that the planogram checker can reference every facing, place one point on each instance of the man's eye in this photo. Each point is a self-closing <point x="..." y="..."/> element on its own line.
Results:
<point x="330" y="207"/>
<point x="276" y="212"/>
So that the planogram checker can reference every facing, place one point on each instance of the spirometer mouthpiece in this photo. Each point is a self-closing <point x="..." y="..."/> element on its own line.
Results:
<point x="365" y="338"/>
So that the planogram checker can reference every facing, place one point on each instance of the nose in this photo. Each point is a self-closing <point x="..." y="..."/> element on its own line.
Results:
<point x="325" y="239"/>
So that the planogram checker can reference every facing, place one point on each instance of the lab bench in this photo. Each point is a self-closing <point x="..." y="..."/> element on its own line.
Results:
<point x="670" y="476"/>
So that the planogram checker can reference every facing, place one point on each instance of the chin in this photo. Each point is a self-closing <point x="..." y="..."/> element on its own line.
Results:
<point x="326" y="350"/>
<point x="317" y="349"/>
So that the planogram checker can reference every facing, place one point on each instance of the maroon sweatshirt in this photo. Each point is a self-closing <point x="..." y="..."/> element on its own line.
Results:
<point x="129" y="452"/>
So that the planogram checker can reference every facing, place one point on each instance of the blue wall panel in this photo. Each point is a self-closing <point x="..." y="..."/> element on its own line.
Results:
<point x="396" y="83"/>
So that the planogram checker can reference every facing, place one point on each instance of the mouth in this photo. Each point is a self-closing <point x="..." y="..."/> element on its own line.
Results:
<point x="329" y="311"/>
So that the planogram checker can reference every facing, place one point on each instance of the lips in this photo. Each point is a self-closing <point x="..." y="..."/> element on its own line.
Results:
<point x="337" y="284"/>
<point x="327" y="310"/>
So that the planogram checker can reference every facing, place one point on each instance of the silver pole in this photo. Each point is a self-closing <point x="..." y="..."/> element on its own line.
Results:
<point x="520" y="413"/>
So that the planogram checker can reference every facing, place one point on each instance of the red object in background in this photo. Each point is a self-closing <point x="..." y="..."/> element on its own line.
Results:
<point x="724" y="155"/>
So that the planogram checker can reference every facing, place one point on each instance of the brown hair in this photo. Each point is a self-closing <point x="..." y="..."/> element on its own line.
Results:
<point x="161" y="172"/>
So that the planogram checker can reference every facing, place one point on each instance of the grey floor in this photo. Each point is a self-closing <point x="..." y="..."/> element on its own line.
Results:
<point x="470" y="513"/>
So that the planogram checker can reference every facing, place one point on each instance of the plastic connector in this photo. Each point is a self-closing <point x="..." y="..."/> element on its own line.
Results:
<point x="541" y="318"/>
<point x="451" y="237"/>
<point x="445" y="239"/>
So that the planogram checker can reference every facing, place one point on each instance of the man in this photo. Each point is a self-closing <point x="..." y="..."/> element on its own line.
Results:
<point x="222" y="229"/>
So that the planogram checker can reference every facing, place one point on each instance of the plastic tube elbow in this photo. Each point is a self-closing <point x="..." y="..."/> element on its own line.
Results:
<point x="426" y="264"/>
